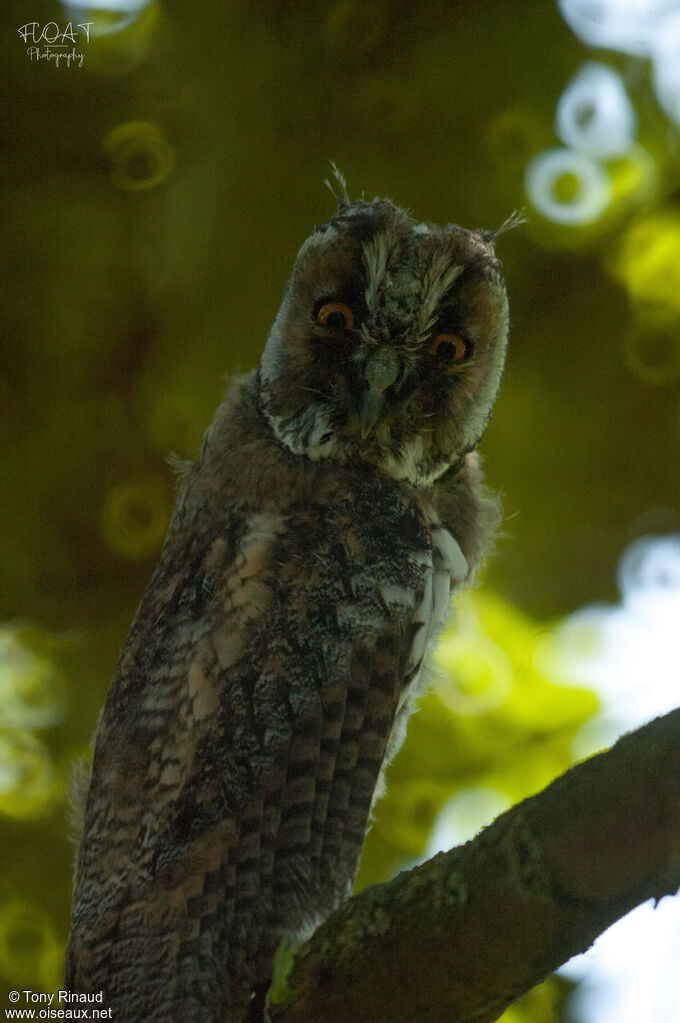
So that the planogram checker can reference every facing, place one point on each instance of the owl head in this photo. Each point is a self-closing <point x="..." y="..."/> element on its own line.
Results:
<point x="389" y="344"/>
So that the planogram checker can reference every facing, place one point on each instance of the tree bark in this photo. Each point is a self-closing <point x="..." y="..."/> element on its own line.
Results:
<point x="462" y="936"/>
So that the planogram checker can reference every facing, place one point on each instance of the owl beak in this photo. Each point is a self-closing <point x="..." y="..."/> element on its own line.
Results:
<point x="380" y="372"/>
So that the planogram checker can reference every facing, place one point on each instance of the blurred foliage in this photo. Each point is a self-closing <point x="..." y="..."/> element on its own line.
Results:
<point x="492" y="721"/>
<point x="153" y="200"/>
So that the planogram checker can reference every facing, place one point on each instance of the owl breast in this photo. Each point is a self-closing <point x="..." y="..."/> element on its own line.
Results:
<point x="322" y="627"/>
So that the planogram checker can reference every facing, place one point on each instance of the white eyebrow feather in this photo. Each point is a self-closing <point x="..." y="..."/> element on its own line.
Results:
<point x="437" y="280"/>
<point x="375" y="253"/>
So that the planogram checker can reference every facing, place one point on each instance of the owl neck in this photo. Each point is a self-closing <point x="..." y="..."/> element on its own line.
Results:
<point x="310" y="433"/>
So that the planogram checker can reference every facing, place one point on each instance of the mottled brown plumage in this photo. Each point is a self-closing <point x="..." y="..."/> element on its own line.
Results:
<point x="279" y="646"/>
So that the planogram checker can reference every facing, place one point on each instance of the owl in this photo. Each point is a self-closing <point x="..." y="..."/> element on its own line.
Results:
<point x="336" y="503"/>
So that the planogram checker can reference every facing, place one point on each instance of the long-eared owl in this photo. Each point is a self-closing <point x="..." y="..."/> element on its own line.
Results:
<point x="336" y="503"/>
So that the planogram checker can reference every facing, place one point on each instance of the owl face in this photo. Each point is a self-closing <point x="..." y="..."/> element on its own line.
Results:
<point x="389" y="344"/>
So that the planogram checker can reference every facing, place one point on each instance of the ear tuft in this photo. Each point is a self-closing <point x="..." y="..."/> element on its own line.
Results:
<point x="338" y="188"/>
<point x="516" y="218"/>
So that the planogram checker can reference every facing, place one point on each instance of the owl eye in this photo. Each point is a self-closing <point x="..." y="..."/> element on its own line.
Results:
<point x="335" y="316"/>
<point x="451" y="349"/>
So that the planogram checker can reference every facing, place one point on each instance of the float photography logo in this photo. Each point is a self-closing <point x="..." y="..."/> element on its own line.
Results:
<point x="59" y="45"/>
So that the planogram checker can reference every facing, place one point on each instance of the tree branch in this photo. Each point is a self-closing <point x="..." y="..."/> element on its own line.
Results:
<point x="465" y="934"/>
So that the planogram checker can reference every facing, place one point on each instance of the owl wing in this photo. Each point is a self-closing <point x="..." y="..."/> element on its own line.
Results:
<point x="240" y="748"/>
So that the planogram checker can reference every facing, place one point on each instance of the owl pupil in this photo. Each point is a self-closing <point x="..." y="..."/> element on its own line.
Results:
<point x="336" y="320"/>
<point x="446" y="351"/>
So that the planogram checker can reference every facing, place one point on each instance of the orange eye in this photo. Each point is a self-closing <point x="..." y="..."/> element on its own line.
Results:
<point x="450" y="350"/>
<point x="335" y="316"/>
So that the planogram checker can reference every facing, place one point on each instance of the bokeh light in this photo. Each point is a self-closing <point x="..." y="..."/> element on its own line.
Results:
<point x="28" y="783"/>
<point x="567" y="187"/>
<point x="630" y="26"/>
<point x="646" y="260"/>
<point x="135" y="516"/>
<point x="478" y="674"/>
<point x="513" y="137"/>
<point x="638" y="28"/>
<point x="596" y="119"/>
<point x="120" y="33"/>
<point x="106" y="16"/>
<point x="666" y="67"/>
<point x="652" y="353"/>
<point x="594" y="114"/>
<point x="138" y="155"/>
<point x="31" y="690"/>
<point x="634" y="178"/>
<point x="29" y="948"/>
<point x="630" y="652"/>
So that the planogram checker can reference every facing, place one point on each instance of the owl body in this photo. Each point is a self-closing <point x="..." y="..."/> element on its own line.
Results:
<point x="276" y="654"/>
